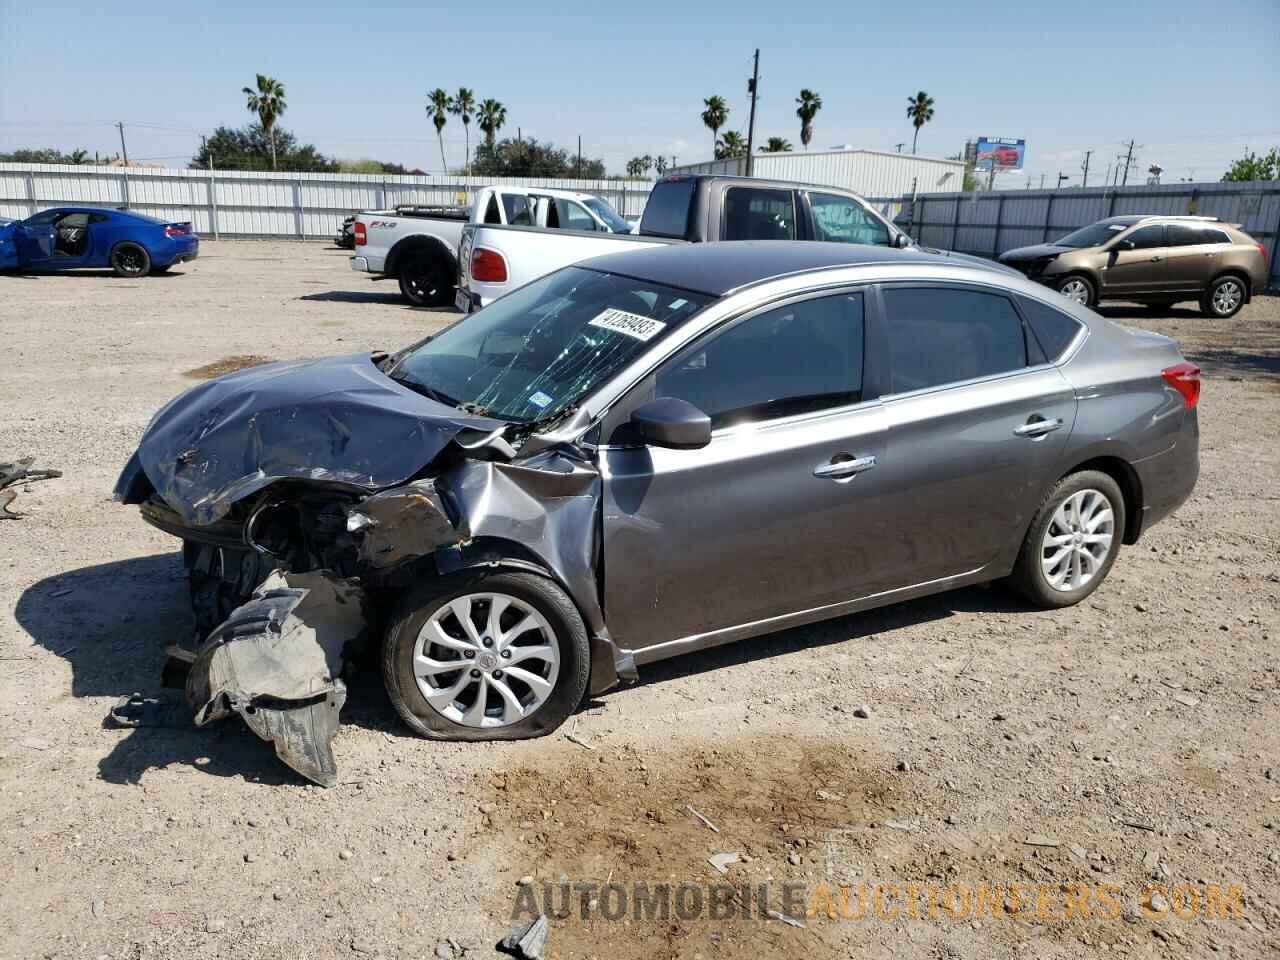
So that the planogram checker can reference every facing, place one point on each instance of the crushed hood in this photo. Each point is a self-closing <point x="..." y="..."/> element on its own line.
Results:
<point x="338" y="420"/>
<point x="1019" y="254"/>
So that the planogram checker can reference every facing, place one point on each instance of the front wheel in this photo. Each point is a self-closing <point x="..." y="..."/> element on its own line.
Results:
<point x="1078" y="289"/>
<point x="130" y="260"/>
<point x="424" y="282"/>
<point x="1223" y="299"/>
<point x="486" y="657"/>
<point x="1072" y="542"/>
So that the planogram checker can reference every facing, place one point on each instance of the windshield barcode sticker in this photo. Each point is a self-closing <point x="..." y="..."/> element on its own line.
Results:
<point x="628" y="324"/>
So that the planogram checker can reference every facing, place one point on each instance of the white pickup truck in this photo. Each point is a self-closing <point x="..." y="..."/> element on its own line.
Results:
<point x="419" y="245"/>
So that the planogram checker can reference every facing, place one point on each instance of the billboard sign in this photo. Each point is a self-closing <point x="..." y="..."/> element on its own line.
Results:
<point x="1003" y="153"/>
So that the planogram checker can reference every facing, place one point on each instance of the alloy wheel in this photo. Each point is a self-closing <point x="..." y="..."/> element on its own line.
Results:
<point x="129" y="260"/>
<point x="1077" y="540"/>
<point x="486" y="660"/>
<point x="1076" y="291"/>
<point x="1226" y="297"/>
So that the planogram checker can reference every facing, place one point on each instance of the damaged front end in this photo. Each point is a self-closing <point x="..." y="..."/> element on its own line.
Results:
<point x="309" y="497"/>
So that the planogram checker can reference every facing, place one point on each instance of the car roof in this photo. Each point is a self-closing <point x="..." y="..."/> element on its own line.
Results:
<point x="1131" y="219"/>
<point x="718" y="268"/>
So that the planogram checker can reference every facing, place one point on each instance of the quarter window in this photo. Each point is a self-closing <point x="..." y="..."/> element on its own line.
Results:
<point x="803" y="357"/>
<point x="1053" y="329"/>
<point x="491" y="212"/>
<point x="517" y="208"/>
<point x="845" y="221"/>
<point x="754" y="214"/>
<point x="946" y="335"/>
<point x="1186" y="235"/>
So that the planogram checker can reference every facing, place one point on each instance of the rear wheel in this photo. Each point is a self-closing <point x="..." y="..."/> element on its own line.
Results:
<point x="130" y="260"/>
<point x="1078" y="289"/>
<point x="1072" y="542"/>
<point x="486" y="657"/>
<point x="1224" y="298"/>
<point x="425" y="281"/>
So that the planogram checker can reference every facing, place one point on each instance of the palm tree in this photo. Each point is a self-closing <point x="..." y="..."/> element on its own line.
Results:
<point x="78" y="157"/>
<point x="646" y="164"/>
<point x="660" y="165"/>
<point x="438" y="108"/>
<point x="920" y="110"/>
<point x="634" y="167"/>
<point x="810" y="104"/>
<point x="715" y="116"/>
<point x="491" y="116"/>
<point x="731" y="146"/>
<point x="777" y="145"/>
<point x="463" y="105"/>
<point x="267" y="101"/>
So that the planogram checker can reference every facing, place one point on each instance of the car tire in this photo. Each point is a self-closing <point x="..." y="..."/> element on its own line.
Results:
<point x="424" y="280"/>
<point x="432" y="611"/>
<point x="1079" y="289"/>
<point x="1046" y="576"/>
<point x="1224" y="298"/>
<point x="129" y="260"/>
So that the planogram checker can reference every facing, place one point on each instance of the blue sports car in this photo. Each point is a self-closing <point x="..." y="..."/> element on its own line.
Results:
<point x="66" y="238"/>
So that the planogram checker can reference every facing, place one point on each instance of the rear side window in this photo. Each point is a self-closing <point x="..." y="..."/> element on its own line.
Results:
<point x="491" y="213"/>
<point x="570" y="216"/>
<point x="800" y="358"/>
<point x="1188" y="235"/>
<point x="518" y="211"/>
<point x="1053" y="329"/>
<point x="844" y="220"/>
<point x="667" y="212"/>
<point x="944" y="335"/>
<point x="754" y="214"/>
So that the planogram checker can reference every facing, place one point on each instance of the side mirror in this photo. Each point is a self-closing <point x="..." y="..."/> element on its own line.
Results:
<point x="902" y="241"/>
<point x="1124" y="245"/>
<point x="669" y="422"/>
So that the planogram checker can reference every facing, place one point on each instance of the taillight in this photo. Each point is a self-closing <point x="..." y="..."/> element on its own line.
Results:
<point x="1185" y="378"/>
<point x="176" y="230"/>
<point x="1262" y="250"/>
<point x="488" y="266"/>
<point x="362" y="237"/>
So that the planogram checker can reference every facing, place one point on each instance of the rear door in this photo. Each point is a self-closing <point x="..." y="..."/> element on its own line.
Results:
<point x="759" y="213"/>
<point x="1195" y="252"/>
<point x="977" y="422"/>
<point x="1144" y="269"/>
<point x="782" y="512"/>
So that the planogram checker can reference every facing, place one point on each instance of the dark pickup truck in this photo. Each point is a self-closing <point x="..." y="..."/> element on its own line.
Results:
<point x="495" y="260"/>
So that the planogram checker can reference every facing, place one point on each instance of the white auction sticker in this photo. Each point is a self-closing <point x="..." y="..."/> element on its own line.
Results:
<point x="628" y="324"/>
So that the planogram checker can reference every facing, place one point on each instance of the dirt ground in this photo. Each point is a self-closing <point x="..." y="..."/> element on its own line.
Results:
<point x="1131" y="740"/>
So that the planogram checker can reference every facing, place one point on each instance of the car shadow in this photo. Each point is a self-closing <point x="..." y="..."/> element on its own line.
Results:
<point x="1134" y="311"/>
<point x="355" y="296"/>
<point x="111" y="621"/>
<point x="92" y="273"/>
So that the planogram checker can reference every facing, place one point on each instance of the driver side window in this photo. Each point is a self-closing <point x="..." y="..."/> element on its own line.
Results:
<point x="1145" y="238"/>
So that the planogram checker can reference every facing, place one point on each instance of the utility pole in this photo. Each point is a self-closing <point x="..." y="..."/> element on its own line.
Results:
<point x="1087" y="154"/>
<point x="579" y="156"/>
<point x="1062" y="176"/>
<point x="123" y="150"/>
<point x="1128" y="159"/>
<point x="899" y="146"/>
<point x="752" y="84"/>
<point x="1042" y="181"/>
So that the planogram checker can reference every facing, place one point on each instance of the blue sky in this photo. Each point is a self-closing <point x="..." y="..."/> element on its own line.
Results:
<point x="1193" y="82"/>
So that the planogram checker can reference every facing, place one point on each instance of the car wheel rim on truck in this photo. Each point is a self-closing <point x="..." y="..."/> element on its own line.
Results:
<point x="1077" y="540"/>
<point x="486" y="660"/>
<point x="1226" y="297"/>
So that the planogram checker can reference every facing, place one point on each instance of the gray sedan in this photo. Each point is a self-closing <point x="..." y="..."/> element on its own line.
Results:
<point x="647" y="454"/>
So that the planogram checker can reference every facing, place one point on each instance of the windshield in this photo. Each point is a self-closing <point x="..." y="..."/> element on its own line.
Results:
<point x="542" y="349"/>
<point x="609" y="215"/>
<point x="1093" y="235"/>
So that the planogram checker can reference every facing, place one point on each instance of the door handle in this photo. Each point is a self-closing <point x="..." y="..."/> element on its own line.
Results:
<point x="1037" y="428"/>
<point x="840" y="469"/>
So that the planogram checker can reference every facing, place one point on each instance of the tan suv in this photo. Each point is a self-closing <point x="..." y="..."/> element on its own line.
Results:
<point x="1153" y="260"/>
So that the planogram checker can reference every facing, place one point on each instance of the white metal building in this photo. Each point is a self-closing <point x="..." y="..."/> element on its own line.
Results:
<point x="872" y="173"/>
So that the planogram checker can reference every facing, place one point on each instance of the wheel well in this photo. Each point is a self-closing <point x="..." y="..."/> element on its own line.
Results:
<point x="1130" y="485"/>
<point x="410" y="245"/>
<point x="1233" y="272"/>
<point x="1080" y="272"/>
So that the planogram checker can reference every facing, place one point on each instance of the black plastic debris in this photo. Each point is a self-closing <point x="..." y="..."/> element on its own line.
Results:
<point x="19" y="472"/>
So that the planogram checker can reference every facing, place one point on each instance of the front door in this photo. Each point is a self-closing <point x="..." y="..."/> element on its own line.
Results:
<point x="37" y="239"/>
<point x="977" y="424"/>
<point x="1143" y="269"/>
<point x="781" y="513"/>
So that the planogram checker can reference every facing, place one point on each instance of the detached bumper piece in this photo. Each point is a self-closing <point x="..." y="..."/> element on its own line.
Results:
<point x="277" y="662"/>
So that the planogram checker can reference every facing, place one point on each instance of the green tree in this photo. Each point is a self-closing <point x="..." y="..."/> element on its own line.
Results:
<point x="463" y="105"/>
<point x="715" y="116"/>
<point x="529" y="158"/>
<point x="267" y="101"/>
<point x="46" y="155"/>
<point x="660" y="165"/>
<point x="438" y="110"/>
<point x="809" y="105"/>
<point x="491" y="117"/>
<point x="1253" y="167"/>
<point x="731" y="146"/>
<point x="250" y="148"/>
<point x="920" y="111"/>
<point x="777" y="145"/>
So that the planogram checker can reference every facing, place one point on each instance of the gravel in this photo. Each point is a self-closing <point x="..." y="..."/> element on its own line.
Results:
<point x="89" y="594"/>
